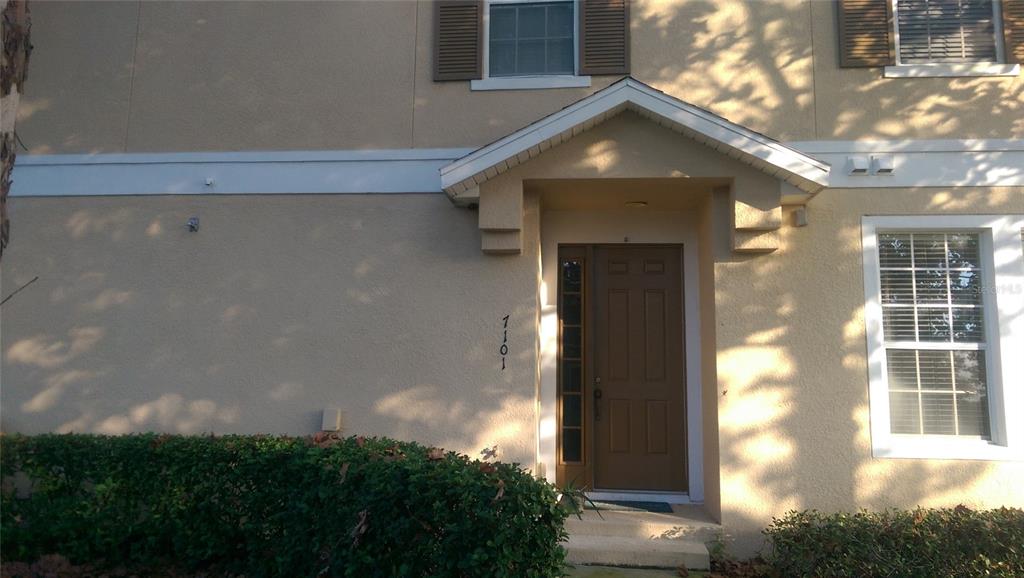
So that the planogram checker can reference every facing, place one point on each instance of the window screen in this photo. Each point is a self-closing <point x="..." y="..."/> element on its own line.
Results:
<point x="946" y="31"/>
<point x="531" y="39"/>
<point x="934" y="332"/>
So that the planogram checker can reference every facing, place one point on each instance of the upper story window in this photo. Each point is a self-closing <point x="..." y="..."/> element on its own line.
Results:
<point x="944" y="329"/>
<point x="932" y="38"/>
<point x="947" y="31"/>
<point x="521" y="44"/>
<point x="535" y="38"/>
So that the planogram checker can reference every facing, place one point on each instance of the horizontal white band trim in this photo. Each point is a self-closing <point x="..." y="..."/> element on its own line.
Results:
<point x="916" y="146"/>
<point x="378" y="155"/>
<point x="932" y="169"/>
<point x="946" y="70"/>
<point x="530" y="82"/>
<point x="295" y="172"/>
<point x="918" y="163"/>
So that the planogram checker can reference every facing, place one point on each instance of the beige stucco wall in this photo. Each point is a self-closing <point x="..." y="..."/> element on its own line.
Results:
<point x="179" y="76"/>
<point x="384" y="305"/>
<point x="380" y="305"/>
<point x="785" y="371"/>
<point x="793" y="378"/>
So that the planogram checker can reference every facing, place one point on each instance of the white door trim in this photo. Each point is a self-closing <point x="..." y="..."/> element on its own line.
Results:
<point x="640" y="227"/>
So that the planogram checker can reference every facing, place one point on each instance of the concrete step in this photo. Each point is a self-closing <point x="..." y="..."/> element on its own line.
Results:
<point x="640" y="552"/>
<point x="648" y="525"/>
<point x="644" y="539"/>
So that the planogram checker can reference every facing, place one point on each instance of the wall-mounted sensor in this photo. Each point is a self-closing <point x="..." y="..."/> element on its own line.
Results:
<point x="857" y="165"/>
<point x="800" y="217"/>
<point x="883" y="165"/>
<point x="192" y="224"/>
<point x="331" y="420"/>
<point x="209" y="181"/>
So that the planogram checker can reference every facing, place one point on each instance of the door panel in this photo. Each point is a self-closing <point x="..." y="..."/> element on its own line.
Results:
<point x="654" y="334"/>
<point x="657" y="427"/>
<point x="639" y="397"/>
<point x="618" y="423"/>
<point x="618" y="324"/>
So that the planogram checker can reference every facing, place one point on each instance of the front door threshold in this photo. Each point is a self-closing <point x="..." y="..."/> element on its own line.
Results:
<point x="640" y="496"/>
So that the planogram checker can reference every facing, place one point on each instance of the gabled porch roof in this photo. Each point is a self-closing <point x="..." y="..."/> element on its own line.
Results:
<point x="460" y="178"/>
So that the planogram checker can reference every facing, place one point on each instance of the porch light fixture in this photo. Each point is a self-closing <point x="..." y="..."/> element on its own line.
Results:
<point x="636" y="204"/>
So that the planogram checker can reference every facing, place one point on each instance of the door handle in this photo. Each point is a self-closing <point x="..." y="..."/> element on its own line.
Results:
<point x="597" y="399"/>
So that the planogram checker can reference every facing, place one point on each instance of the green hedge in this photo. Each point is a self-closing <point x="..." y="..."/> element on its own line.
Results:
<point x="918" y="543"/>
<point x="275" y="506"/>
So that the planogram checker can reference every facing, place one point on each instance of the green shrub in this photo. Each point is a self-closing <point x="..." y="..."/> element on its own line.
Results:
<point x="925" y="543"/>
<point x="276" y="506"/>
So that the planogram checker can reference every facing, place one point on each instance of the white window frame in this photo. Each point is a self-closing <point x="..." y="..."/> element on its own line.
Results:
<point x="1002" y="262"/>
<point x="949" y="69"/>
<point x="540" y="81"/>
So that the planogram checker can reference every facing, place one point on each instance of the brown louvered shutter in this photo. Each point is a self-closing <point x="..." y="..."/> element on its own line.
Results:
<point x="458" y="39"/>
<point x="1013" y="30"/>
<point x="604" y="37"/>
<point x="865" y="33"/>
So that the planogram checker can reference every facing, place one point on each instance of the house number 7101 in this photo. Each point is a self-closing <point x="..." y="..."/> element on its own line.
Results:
<point x="504" y="341"/>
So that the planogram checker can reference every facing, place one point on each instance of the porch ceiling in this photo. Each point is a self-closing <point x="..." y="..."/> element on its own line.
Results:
<point x="617" y="194"/>
<point x="461" y="178"/>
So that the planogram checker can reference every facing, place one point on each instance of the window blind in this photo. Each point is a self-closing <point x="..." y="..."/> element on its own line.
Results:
<point x="933" y="327"/>
<point x="946" y="31"/>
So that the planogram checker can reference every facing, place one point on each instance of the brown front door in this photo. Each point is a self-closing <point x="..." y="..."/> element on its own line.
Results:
<point x="639" y="389"/>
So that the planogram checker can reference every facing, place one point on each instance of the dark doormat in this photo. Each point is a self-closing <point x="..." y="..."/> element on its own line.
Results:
<point x="623" y="506"/>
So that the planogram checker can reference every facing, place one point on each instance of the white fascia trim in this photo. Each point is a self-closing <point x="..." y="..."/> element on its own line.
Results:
<point x="232" y="173"/>
<point x="530" y="82"/>
<point x="632" y="93"/>
<point x="1004" y="312"/>
<point x="944" y="70"/>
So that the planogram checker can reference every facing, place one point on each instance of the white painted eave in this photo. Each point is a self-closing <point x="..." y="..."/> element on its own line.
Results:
<point x="773" y="157"/>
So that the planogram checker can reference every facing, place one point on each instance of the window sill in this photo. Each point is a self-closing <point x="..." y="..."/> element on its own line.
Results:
<point x="530" y="82"/>
<point x="951" y="70"/>
<point x="944" y="448"/>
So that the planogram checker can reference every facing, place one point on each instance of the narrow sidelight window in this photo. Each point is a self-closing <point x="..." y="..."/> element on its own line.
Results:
<point x="571" y="351"/>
